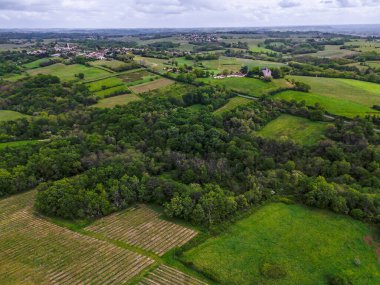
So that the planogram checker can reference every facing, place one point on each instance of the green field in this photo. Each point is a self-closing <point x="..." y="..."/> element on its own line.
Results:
<point x="233" y="103"/>
<point x="343" y="97"/>
<point x="67" y="72"/>
<point x="260" y="63"/>
<point x="248" y="86"/>
<point x="109" y="64"/>
<point x="155" y="63"/>
<point x="104" y="84"/>
<point x="6" y="115"/>
<point x="374" y="64"/>
<point x="301" y="130"/>
<point x="117" y="100"/>
<point x="14" y="77"/>
<point x="111" y="91"/>
<point x="365" y="46"/>
<point x="305" y="245"/>
<point x="36" y="63"/>
<point x="334" y="106"/>
<point x="332" y="51"/>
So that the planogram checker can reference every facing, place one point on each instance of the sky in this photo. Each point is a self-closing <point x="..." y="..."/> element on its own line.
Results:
<point x="184" y="13"/>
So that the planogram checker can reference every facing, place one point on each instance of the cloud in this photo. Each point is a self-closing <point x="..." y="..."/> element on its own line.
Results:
<point x="184" y="13"/>
<point x="288" y="4"/>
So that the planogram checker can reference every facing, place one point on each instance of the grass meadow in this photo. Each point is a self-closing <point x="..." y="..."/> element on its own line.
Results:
<point x="232" y="104"/>
<point x="109" y="64"/>
<point x="248" y="86"/>
<point x="36" y="63"/>
<point x="104" y="84"/>
<point x="301" y="130"/>
<point x="117" y="100"/>
<point x="288" y="244"/>
<point x="365" y="93"/>
<point x="111" y="91"/>
<point x="343" y="97"/>
<point x="6" y="115"/>
<point x="334" y="106"/>
<point x="67" y="72"/>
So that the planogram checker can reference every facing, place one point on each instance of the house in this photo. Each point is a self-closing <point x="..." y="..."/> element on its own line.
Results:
<point x="267" y="72"/>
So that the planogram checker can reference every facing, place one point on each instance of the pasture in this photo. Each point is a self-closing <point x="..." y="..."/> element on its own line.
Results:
<point x="152" y="85"/>
<point x="67" y="72"/>
<point x="155" y="63"/>
<point x="365" y="46"/>
<point x="333" y="51"/>
<point x="365" y="93"/>
<point x="109" y="64"/>
<point x="6" y="115"/>
<point x="344" y="97"/>
<point x="116" y="100"/>
<point x="248" y="86"/>
<point x="111" y="91"/>
<point x="289" y="244"/>
<point x="334" y="106"/>
<point x="260" y="63"/>
<point x="232" y="104"/>
<point x="373" y="64"/>
<point x="104" y="84"/>
<point x="35" y="251"/>
<point x="301" y="130"/>
<point x="36" y="63"/>
<point x="142" y="227"/>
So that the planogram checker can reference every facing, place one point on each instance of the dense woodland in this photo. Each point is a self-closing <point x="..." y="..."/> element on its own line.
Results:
<point x="200" y="167"/>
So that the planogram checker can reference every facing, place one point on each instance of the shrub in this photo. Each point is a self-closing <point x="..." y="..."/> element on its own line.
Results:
<point x="339" y="280"/>
<point x="273" y="270"/>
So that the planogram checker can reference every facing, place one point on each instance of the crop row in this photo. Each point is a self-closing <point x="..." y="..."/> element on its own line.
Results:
<point x="33" y="247"/>
<point x="165" y="275"/>
<point x="143" y="228"/>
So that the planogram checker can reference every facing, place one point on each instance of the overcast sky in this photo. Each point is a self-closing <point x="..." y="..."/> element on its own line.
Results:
<point x="184" y="13"/>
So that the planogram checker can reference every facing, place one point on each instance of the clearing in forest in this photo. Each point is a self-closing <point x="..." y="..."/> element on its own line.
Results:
<point x="289" y="244"/>
<point x="232" y="104"/>
<point x="35" y="251"/>
<point x="142" y="227"/>
<point x="117" y="100"/>
<point x="7" y="115"/>
<point x="301" y="130"/>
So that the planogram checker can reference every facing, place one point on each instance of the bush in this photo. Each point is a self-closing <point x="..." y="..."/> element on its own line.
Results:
<point x="339" y="280"/>
<point x="273" y="270"/>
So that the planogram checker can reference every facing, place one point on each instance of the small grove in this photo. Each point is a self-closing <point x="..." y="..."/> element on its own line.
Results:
<point x="200" y="167"/>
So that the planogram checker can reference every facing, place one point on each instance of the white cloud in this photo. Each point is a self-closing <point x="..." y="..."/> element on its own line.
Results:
<point x="184" y="13"/>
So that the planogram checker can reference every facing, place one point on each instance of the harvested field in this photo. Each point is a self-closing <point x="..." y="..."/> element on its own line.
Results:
<point x="157" y="84"/>
<point x="35" y="251"/>
<point x="165" y="275"/>
<point x="135" y="76"/>
<point x="142" y="227"/>
<point x="115" y="101"/>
